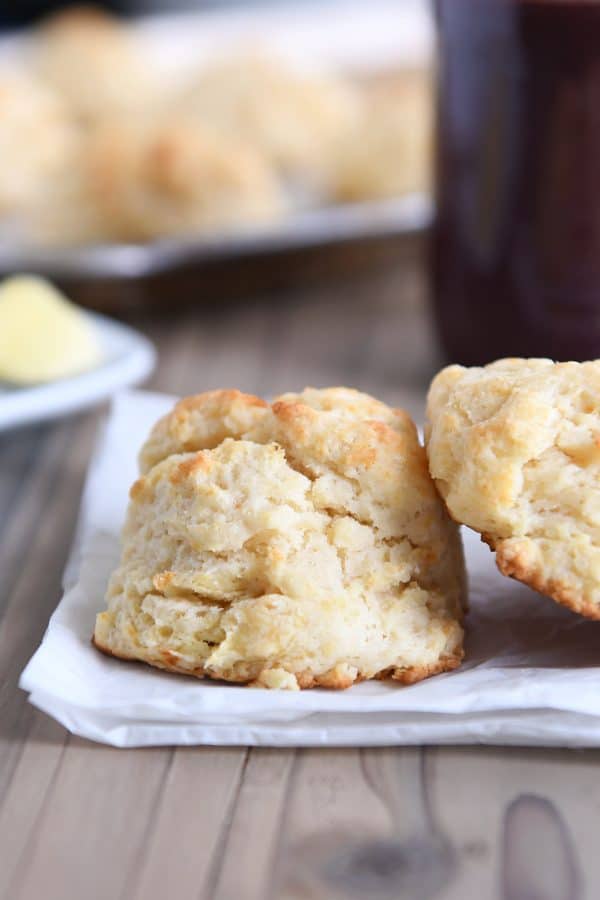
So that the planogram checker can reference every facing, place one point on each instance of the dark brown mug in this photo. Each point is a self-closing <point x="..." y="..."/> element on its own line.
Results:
<point x="516" y="245"/>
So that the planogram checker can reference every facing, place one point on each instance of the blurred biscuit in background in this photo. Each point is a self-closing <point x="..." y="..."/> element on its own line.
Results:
<point x="37" y="138"/>
<point x="98" y="146"/>
<point x="136" y="182"/>
<point x="290" y="116"/>
<point x="388" y="152"/>
<point x="94" y="62"/>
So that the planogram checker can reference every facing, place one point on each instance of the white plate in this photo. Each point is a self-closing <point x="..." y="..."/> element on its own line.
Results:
<point x="128" y="359"/>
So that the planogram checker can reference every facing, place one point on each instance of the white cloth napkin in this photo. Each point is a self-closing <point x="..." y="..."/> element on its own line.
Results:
<point x="531" y="675"/>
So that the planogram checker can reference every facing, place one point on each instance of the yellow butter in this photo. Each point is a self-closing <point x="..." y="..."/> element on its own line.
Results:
<point x="43" y="336"/>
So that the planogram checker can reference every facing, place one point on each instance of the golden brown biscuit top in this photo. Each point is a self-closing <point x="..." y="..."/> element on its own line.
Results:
<point x="496" y="433"/>
<point x="360" y="454"/>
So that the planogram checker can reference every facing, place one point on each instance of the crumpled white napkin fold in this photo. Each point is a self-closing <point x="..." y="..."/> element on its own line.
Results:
<point x="531" y="676"/>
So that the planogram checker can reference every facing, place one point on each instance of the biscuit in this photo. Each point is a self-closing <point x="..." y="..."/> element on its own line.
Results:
<point x="180" y="178"/>
<point x="288" y="545"/>
<point x="514" y="449"/>
<point x="137" y="181"/>
<point x="95" y="63"/>
<point x="388" y="152"/>
<point x="37" y="137"/>
<point x="289" y="116"/>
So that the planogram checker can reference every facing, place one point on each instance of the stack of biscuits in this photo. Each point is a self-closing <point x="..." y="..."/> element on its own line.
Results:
<point x="100" y="146"/>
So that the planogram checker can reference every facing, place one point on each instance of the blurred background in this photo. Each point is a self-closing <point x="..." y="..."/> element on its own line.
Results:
<point x="374" y="188"/>
<point x="29" y="11"/>
<point x="247" y="185"/>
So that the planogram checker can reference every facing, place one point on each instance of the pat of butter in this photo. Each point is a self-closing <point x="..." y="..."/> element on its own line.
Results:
<point x="42" y="335"/>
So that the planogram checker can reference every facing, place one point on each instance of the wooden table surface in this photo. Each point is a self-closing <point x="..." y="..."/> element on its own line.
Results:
<point x="80" y="821"/>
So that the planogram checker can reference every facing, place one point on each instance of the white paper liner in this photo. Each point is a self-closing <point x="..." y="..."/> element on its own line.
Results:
<point x="531" y="675"/>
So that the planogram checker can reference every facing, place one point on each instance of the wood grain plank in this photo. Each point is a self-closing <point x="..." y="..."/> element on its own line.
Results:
<point x="209" y="351"/>
<point x="475" y="792"/>
<point x="176" y="349"/>
<point x="421" y="858"/>
<point x="319" y="339"/>
<point x="236" y="348"/>
<point x="20" y="516"/>
<point x="333" y="818"/>
<point x="370" y="334"/>
<point x="94" y="824"/>
<point x="538" y="856"/>
<point x="27" y="793"/>
<point x="206" y="351"/>
<point x="19" y="452"/>
<point x="246" y="867"/>
<point x="42" y="533"/>
<point x="191" y="821"/>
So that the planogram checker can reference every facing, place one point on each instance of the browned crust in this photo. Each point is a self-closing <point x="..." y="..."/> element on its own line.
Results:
<point x="169" y="662"/>
<point x="137" y="488"/>
<point x="418" y="673"/>
<point x="385" y="434"/>
<point x="332" y="680"/>
<point x="162" y="580"/>
<point x="175" y="423"/>
<point x="196" y="463"/>
<point x="223" y="397"/>
<point x="488" y="539"/>
<point x="362" y="453"/>
<point x="514" y="564"/>
<point x="295" y="416"/>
